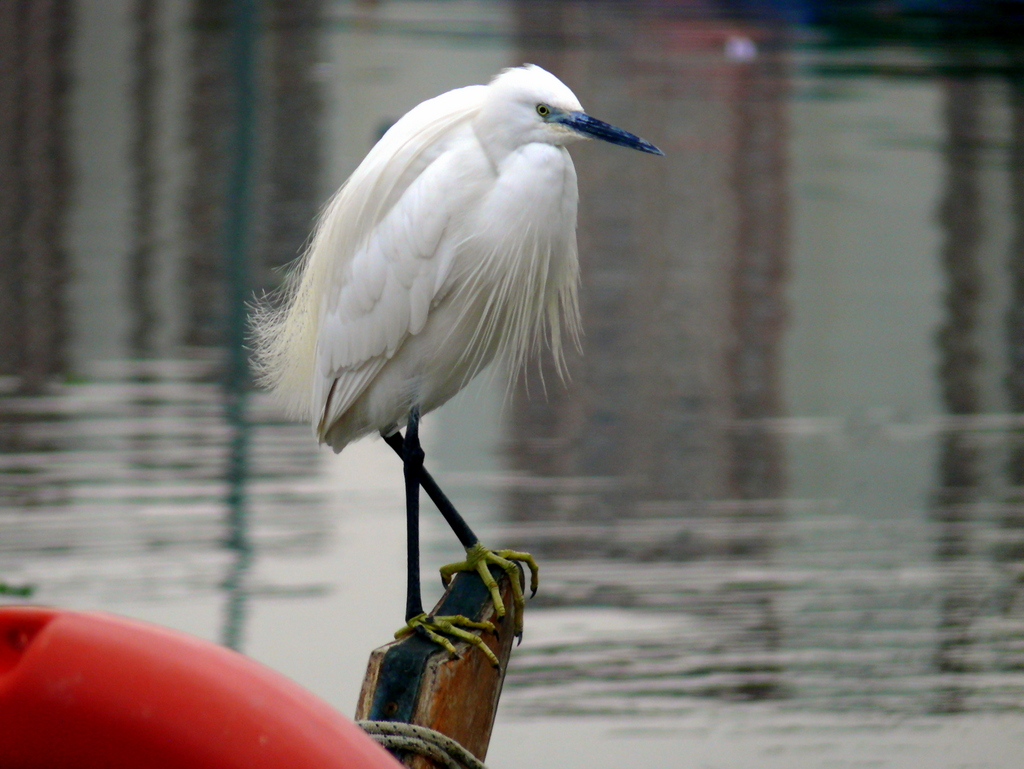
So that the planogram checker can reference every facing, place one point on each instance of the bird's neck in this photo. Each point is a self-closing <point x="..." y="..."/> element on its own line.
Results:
<point x="498" y="136"/>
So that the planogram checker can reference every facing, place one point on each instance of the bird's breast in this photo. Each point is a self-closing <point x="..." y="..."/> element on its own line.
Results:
<point x="516" y="257"/>
<point x="523" y="220"/>
<point x="536" y="189"/>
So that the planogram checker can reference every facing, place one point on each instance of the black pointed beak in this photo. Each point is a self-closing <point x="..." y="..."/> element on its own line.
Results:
<point x="593" y="128"/>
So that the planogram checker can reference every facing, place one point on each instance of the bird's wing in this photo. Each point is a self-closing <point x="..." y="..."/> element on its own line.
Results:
<point x="342" y="286"/>
<point x="344" y="388"/>
<point x="384" y="293"/>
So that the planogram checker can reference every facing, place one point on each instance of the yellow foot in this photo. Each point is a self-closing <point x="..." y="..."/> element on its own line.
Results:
<point x="454" y="626"/>
<point x="479" y="559"/>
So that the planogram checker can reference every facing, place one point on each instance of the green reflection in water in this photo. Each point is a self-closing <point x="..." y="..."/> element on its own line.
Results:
<point x="236" y="255"/>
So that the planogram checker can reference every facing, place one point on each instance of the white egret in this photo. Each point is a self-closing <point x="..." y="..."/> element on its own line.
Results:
<point x="451" y="245"/>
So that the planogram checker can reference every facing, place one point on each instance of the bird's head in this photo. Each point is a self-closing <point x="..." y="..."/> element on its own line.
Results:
<point x="528" y="104"/>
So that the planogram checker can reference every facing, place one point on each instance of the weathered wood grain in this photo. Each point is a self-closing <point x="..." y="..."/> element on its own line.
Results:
<point x="418" y="682"/>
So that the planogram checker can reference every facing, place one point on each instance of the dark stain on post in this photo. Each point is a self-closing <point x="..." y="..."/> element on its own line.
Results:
<point x="416" y="681"/>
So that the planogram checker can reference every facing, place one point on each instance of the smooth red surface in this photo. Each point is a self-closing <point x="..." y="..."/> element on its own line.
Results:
<point x="94" y="690"/>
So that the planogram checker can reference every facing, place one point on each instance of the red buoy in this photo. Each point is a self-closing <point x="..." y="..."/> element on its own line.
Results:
<point x="89" y="690"/>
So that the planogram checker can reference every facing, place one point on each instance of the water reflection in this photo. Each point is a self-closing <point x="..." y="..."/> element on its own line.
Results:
<point x="787" y="469"/>
<point x="144" y="164"/>
<point x="659" y="481"/>
<point x="657" y="455"/>
<point x="146" y="460"/>
<point x="34" y="165"/>
<point x="959" y="478"/>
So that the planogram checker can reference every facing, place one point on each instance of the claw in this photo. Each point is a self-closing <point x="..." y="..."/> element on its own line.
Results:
<point x="454" y="625"/>
<point x="479" y="559"/>
<point x="515" y="555"/>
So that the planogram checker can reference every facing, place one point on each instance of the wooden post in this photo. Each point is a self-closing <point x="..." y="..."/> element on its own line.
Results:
<point x="416" y="681"/>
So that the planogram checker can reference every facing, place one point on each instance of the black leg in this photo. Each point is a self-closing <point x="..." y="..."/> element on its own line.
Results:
<point x="479" y="559"/>
<point x="412" y="456"/>
<point x="438" y="497"/>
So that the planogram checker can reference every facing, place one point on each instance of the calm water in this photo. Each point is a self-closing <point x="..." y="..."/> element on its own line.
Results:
<point x="779" y="507"/>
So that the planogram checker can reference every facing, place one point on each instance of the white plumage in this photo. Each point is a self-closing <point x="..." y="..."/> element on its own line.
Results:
<point x="452" y="243"/>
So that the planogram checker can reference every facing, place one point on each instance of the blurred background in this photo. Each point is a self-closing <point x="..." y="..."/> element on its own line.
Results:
<point x="778" y="507"/>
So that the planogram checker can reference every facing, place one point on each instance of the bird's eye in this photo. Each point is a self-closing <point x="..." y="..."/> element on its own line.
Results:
<point x="543" y="110"/>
